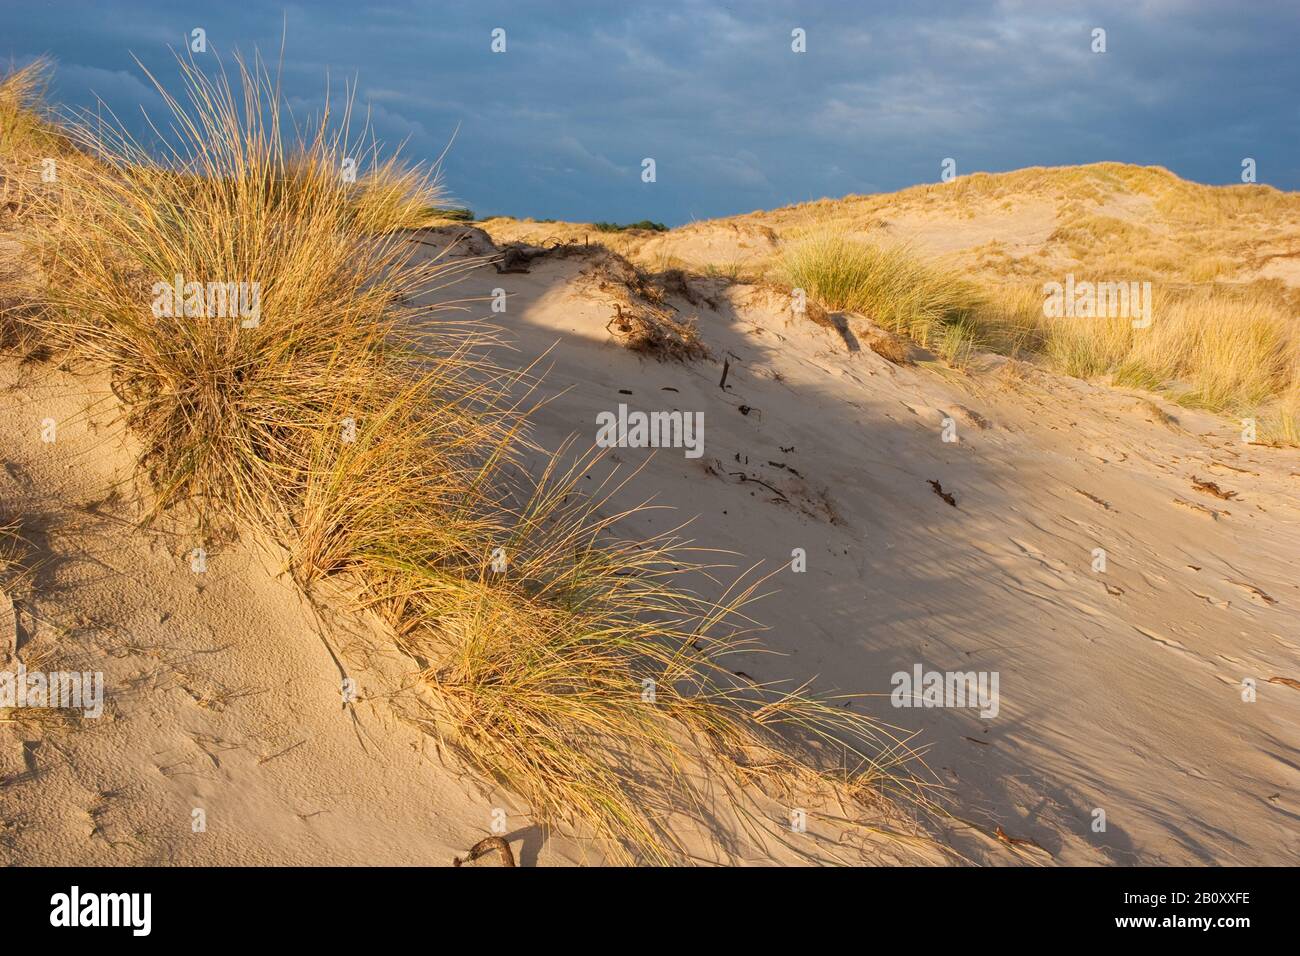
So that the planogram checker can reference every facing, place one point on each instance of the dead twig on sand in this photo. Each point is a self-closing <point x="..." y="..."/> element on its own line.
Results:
<point x="485" y="846"/>
<point x="758" y="481"/>
<point x="1211" y="488"/>
<point x="1016" y="841"/>
<point x="946" y="496"/>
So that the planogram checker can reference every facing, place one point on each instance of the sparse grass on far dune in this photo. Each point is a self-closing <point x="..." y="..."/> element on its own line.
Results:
<point x="1141" y="222"/>
<point x="1224" y="348"/>
<point x="325" y="426"/>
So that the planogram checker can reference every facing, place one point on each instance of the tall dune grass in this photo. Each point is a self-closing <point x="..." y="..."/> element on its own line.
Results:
<point x="366" y="432"/>
<point x="32" y="147"/>
<point x="1281" y="421"/>
<point x="227" y="412"/>
<point x="1228" y="349"/>
<point x="1217" y="348"/>
<point x="1223" y="348"/>
<point x="25" y="131"/>
<point x="592" y="681"/>
<point x="889" y="285"/>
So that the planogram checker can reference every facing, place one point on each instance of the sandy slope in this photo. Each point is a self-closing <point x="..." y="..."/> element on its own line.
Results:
<point x="223" y="694"/>
<point x="1120" y="691"/>
<point x="1108" y="219"/>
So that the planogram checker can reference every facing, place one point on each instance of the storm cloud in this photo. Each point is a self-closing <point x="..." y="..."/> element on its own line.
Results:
<point x="558" y="124"/>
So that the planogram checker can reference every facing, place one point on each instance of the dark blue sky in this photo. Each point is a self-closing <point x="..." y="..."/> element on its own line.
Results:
<point x="557" y="125"/>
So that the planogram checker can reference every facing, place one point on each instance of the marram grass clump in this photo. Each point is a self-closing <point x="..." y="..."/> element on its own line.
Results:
<point x="340" y="411"/>
<point x="1226" y="348"/>
<point x="231" y="402"/>
<point x="889" y="285"/>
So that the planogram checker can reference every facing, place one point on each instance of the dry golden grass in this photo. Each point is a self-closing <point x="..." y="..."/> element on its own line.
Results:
<point x="366" y="434"/>
<point x="33" y="149"/>
<point x="891" y="286"/>
<point x="1225" y="348"/>
<point x="24" y="130"/>
<point x="1281" y="421"/>
<point x="1217" y="348"/>
<point x="16" y="564"/>
<point x="585" y="676"/>
<point x="228" y="410"/>
<point x="1142" y="222"/>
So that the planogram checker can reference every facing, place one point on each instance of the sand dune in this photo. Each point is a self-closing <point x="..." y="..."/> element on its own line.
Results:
<point x="1120" y="691"/>
<point x="1002" y="227"/>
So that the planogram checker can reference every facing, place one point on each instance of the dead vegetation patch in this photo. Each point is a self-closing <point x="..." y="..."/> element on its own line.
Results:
<point x="890" y="347"/>
<point x="644" y="319"/>
<point x="794" y="491"/>
<point x="17" y="555"/>
<point x="947" y="496"/>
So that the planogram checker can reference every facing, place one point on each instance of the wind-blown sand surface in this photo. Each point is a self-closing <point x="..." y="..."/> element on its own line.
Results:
<point x="1119" y="691"/>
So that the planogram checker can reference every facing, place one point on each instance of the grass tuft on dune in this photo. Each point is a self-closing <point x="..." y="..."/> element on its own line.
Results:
<point x="24" y="129"/>
<point x="364" y="431"/>
<point x="890" y="285"/>
<point x="1226" y="348"/>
